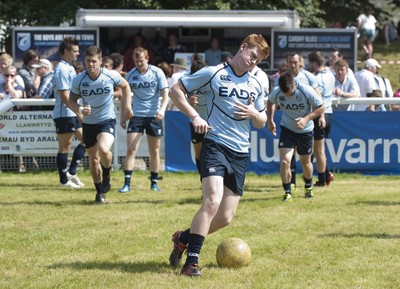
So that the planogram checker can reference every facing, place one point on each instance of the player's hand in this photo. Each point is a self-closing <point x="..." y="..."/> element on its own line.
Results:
<point x="160" y="115"/>
<point x="245" y="111"/>
<point x="322" y="122"/>
<point x="272" y="127"/>
<point x="200" y="125"/>
<point x="301" y="122"/>
<point x="193" y="101"/>
<point x="126" y="115"/>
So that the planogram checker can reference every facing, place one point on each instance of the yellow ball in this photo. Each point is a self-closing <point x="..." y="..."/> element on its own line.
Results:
<point x="233" y="253"/>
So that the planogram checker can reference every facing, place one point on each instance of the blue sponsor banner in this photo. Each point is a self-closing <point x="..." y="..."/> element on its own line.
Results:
<point x="360" y="142"/>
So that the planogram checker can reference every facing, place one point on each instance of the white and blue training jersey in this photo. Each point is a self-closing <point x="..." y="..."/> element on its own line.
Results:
<point x="63" y="75"/>
<point x="299" y="104"/>
<point x="326" y="82"/>
<point x="146" y="90"/>
<point x="222" y="88"/>
<point x="98" y="93"/>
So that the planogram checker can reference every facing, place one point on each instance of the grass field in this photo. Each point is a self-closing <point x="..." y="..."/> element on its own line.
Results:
<point x="347" y="236"/>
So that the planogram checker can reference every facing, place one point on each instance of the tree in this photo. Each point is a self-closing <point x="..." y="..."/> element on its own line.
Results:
<point x="313" y="13"/>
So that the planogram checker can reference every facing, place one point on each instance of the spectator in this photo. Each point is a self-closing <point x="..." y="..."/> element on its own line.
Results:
<point x="386" y="90"/>
<point x="389" y="31"/>
<point x="334" y="56"/>
<point x="44" y="69"/>
<point x="367" y="29"/>
<point x="10" y="89"/>
<point x="346" y="85"/>
<point x="167" y="69"/>
<point x="396" y="107"/>
<point x="7" y="60"/>
<point x="173" y="47"/>
<point x="28" y="73"/>
<point x="366" y="81"/>
<point x="179" y="68"/>
<point x="213" y="54"/>
<point x="138" y="41"/>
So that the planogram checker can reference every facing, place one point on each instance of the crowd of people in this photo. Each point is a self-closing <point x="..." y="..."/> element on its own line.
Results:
<point x="147" y="85"/>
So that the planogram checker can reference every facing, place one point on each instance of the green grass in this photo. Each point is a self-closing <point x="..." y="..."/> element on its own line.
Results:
<point x="347" y="236"/>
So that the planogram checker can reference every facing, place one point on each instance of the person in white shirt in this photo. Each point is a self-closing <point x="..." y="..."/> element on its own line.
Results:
<point x="366" y="28"/>
<point x="366" y="81"/>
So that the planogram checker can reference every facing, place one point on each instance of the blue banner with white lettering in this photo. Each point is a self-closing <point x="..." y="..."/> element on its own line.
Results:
<point x="360" y="142"/>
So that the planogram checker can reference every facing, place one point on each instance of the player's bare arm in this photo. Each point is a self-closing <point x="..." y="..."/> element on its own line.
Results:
<point x="270" y="117"/>
<point x="178" y="96"/>
<point x="126" y="101"/>
<point x="164" y="104"/>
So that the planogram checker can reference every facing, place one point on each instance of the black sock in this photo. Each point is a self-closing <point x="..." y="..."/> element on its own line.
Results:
<point x="287" y="188"/>
<point x="194" y="248"/>
<point x="293" y="168"/>
<point x="321" y="177"/>
<point x="184" y="237"/>
<point x="106" y="173"/>
<point x="62" y="162"/>
<point x="308" y="183"/>
<point x="99" y="188"/>
<point x="127" y="174"/>
<point x="153" y="177"/>
<point x="79" y="153"/>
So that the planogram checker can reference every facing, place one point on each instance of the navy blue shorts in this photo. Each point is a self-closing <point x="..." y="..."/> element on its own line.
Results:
<point x="323" y="133"/>
<point x="218" y="160"/>
<point x="67" y="124"/>
<point x="195" y="137"/>
<point x="302" y="141"/>
<point x="152" y="126"/>
<point x="90" y="131"/>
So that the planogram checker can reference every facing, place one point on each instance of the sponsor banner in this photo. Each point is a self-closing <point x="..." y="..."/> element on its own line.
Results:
<point x="46" y="40"/>
<point x="307" y="40"/>
<point x="360" y="142"/>
<point x="29" y="133"/>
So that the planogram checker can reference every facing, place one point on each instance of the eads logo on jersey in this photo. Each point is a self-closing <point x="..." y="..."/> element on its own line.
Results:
<point x="96" y="91"/>
<point x="146" y="84"/>
<point x="225" y="91"/>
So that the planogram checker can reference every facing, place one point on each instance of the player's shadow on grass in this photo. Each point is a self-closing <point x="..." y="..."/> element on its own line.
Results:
<point x="129" y="267"/>
<point x="362" y="235"/>
<point x="378" y="203"/>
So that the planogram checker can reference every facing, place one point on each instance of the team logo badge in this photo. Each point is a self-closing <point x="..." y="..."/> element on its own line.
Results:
<point x="24" y="41"/>
<point x="282" y="41"/>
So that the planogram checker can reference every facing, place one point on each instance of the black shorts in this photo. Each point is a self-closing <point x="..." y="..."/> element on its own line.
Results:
<point x="195" y="137"/>
<point x="302" y="141"/>
<point x="152" y="126"/>
<point x="90" y="131"/>
<point x="218" y="160"/>
<point x="67" y="124"/>
<point x="323" y="133"/>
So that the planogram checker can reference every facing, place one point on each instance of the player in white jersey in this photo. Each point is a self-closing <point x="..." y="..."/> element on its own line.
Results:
<point x="322" y="124"/>
<point x="148" y="83"/>
<point x="68" y="124"/>
<point x="300" y="104"/>
<point x="95" y="86"/>
<point x="234" y="99"/>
